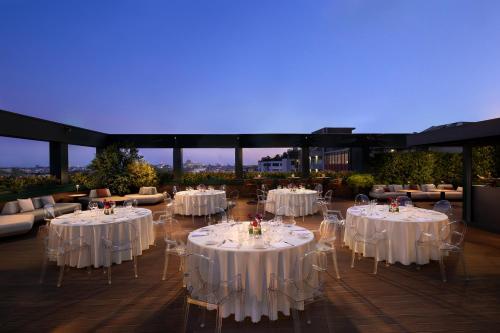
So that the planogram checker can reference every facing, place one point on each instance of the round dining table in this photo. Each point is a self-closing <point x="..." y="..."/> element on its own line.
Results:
<point x="199" y="202"/>
<point x="90" y="227"/>
<point x="234" y="253"/>
<point x="402" y="228"/>
<point x="299" y="202"/>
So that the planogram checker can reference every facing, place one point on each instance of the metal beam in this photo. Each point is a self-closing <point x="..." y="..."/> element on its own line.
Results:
<point x="238" y="163"/>
<point x="59" y="161"/>
<point x="25" y="127"/>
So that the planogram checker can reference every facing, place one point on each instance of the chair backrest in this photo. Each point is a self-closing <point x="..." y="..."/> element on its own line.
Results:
<point x="49" y="213"/>
<point x="130" y="203"/>
<point x="453" y="233"/>
<point x="219" y="216"/>
<point x="328" y="230"/>
<point x="318" y="188"/>
<point x="404" y="201"/>
<point x="199" y="201"/>
<point x="124" y="228"/>
<point x="199" y="273"/>
<point x="443" y="206"/>
<point x="201" y="187"/>
<point x="222" y="187"/>
<point x="361" y="200"/>
<point x="328" y="196"/>
<point x="261" y="195"/>
<point x="308" y="266"/>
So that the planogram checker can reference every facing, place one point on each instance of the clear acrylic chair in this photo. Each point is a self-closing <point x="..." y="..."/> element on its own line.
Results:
<point x="112" y="246"/>
<point x="326" y="236"/>
<point x="60" y="250"/>
<point x="160" y="217"/>
<point x="199" y="206"/>
<point x="284" y="214"/>
<point x="175" y="243"/>
<point x="361" y="236"/>
<point x="304" y="287"/>
<point x="333" y="215"/>
<point x="450" y="239"/>
<point x="444" y="206"/>
<point x="404" y="201"/>
<point x="262" y="201"/>
<point x="232" y="201"/>
<point x="327" y="198"/>
<point x="219" y="216"/>
<point x="205" y="289"/>
<point x="319" y="188"/>
<point x="361" y="200"/>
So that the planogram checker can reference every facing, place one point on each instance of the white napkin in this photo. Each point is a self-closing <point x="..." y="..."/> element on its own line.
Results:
<point x="302" y="233"/>
<point x="280" y="245"/>
<point x="230" y="245"/>
<point x="198" y="233"/>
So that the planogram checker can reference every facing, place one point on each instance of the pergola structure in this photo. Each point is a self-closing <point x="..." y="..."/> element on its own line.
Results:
<point x="61" y="135"/>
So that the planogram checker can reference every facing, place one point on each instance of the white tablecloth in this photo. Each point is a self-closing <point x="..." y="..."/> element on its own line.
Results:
<point x="254" y="265"/>
<point x="298" y="203"/>
<point x="199" y="202"/>
<point x="92" y="228"/>
<point x="403" y="229"/>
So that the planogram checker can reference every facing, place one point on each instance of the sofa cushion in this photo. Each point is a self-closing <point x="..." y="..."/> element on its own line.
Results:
<point x="147" y="190"/>
<point x="48" y="200"/>
<point x="25" y="205"/>
<point x="37" y="202"/>
<point x="415" y="187"/>
<point x="397" y="188"/>
<point x="11" y="207"/>
<point x="460" y="189"/>
<point x="445" y="187"/>
<point x="428" y="187"/>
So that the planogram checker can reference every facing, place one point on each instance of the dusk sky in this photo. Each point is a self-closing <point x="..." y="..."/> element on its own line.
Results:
<point x="245" y="67"/>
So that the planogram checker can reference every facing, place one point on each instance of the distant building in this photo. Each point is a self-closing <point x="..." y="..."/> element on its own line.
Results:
<point x="333" y="158"/>
<point x="286" y="162"/>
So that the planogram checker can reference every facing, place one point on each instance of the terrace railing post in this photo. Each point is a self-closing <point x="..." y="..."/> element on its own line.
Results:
<point x="238" y="163"/>
<point x="59" y="161"/>
<point x="306" y="162"/>
<point x="467" y="183"/>
<point x="178" y="165"/>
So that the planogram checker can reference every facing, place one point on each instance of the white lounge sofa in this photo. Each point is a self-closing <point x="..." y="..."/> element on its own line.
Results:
<point x="146" y="196"/>
<point x="15" y="219"/>
<point x="419" y="192"/>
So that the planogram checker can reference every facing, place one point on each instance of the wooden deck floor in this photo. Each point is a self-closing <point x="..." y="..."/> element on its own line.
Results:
<point x="398" y="299"/>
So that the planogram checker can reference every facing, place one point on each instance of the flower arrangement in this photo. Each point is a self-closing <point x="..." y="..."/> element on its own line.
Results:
<point x="109" y="207"/>
<point x="254" y="228"/>
<point x="393" y="205"/>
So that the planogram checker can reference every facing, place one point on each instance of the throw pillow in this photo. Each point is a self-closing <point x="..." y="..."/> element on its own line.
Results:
<point x="11" y="207"/>
<point x="37" y="202"/>
<point x="415" y="187"/>
<point x="48" y="200"/>
<point x="102" y="192"/>
<point x="26" y="205"/>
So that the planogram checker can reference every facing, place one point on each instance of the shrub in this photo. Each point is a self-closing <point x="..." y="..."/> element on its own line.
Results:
<point x="360" y="182"/>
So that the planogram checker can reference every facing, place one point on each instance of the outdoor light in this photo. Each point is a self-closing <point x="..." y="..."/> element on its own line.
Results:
<point x="392" y="150"/>
<point x="77" y="187"/>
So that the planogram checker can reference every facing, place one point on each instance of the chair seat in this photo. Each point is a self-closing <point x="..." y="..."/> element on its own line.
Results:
<point x="300" y="292"/>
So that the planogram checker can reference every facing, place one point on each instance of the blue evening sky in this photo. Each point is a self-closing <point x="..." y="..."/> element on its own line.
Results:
<point x="248" y="66"/>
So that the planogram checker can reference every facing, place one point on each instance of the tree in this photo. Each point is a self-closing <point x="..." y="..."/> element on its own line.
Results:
<point x="121" y="169"/>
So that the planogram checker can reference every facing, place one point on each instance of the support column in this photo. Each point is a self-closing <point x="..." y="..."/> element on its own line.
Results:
<point x="467" y="183"/>
<point x="306" y="163"/>
<point x="178" y="164"/>
<point x="58" y="153"/>
<point x="238" y="163"/>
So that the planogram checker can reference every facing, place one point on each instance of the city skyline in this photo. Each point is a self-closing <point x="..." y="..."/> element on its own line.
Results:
<point x="125" y="67"/>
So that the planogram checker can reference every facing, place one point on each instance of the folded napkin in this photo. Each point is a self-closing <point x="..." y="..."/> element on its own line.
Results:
<point x="280" y="245"/>
<point x="198" y="233"/>
<point x="230" y="245"/>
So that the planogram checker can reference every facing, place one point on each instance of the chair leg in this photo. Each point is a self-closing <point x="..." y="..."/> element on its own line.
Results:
<point x="44" y="268"/>
<point x="109" y="274"/>
<point x="335" y="265"/>
<point x="61" y="274"/>
<point x="135" y="267"/>
<point x="416" y="257"/>
<point x="442" y="268"/>
<point x="165" y="266"/>
<point x="296" y="320"/>
<point x="353" y="255"/>
<point x="308" y="316"/>
<point x="219" y="320"/>
<point x="375" y="259"/>
<point x="203" y="317"/>
<point x="186" y="315"/>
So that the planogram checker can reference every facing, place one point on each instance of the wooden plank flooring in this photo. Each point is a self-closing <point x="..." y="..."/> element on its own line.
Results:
<point x="398" y="299"/>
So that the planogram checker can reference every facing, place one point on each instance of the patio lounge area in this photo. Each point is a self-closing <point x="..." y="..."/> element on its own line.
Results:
<point x="398" y="299"/>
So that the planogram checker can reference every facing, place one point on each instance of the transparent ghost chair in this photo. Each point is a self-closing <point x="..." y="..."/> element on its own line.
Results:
<point x="262" y="201"/>
<point x="327" y="198"/>
<point x="205" y="289"/>
<point x="160" y="217"/>
<point x="59" y="249"/>
<point x="114" y="246"/>
<point x="219" y="216"/>
<point x="232" y="201"/>
<point x="444" y="206"/>
<point x="128" y="204"/>
<point x="404" y="201"/>
<point x="285" y="215"/>
<point x="375" y="237"/>
<point x="175" y="243"/>
<point x="199" y="206"/>
<point x="167" y="198"/>
<point x="450" y="240"/>
<point x="361" y="200"/>
<point x="333" y="215"/>
<point x="223" y="187"/>
<point x="306" y="285"/>
<point x="326" y="236"/>
<point x="319" y="188"/>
